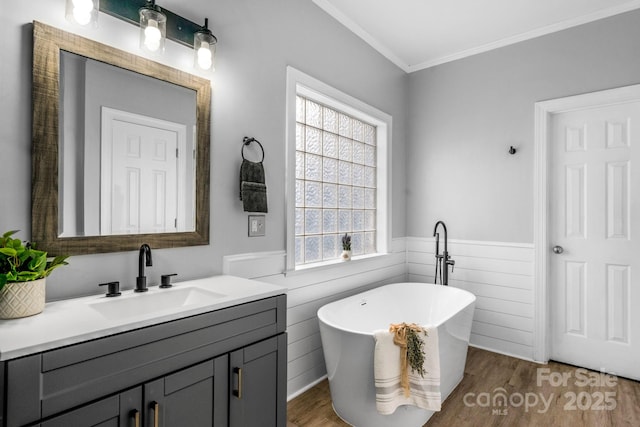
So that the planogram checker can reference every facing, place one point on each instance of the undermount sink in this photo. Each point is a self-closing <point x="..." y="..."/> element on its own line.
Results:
<point x="157" y="301"/>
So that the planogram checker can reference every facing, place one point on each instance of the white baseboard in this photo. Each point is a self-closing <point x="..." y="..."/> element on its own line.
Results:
<point x="305" y="388"/>
<point x="515" y="356"/>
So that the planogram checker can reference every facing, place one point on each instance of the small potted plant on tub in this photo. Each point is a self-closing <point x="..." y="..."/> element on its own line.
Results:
<point x="23" y="272"/>
<point x="346" y="247"/>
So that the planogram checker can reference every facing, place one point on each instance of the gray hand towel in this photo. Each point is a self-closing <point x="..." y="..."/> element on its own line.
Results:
<point x="253" y="191"/>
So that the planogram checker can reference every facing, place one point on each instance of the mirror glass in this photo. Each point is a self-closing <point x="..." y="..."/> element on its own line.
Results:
<point x="127" y="151"/>
<point x="120" y="149"/>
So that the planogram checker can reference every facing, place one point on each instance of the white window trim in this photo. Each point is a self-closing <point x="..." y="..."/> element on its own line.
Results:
<point x="309" y="87"/>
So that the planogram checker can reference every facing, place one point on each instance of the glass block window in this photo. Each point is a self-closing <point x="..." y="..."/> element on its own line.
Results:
<point x="335" y="189"/>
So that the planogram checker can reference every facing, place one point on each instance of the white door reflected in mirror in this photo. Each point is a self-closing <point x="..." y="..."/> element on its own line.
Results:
<point x="143" y="175"/>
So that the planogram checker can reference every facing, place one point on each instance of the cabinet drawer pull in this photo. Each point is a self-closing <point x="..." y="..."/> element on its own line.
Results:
<point x="156" y="413"/>
<point x="238" y="391"/>
<point x="135" y="414"/>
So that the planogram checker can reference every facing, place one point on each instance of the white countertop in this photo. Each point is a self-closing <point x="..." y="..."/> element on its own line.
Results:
<point x="80" y="319"/>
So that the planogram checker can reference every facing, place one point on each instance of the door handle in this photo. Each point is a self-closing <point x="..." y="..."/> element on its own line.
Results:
<point x="155" y="406"/>
<point x="238" y="391"/>
<point x="557" y="250"/>
<point x="135" y="414"/>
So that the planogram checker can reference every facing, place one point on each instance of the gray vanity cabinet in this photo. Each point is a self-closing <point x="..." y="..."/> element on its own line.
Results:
<point x="256" y="399"/>
<point x="222" y="368"/>
<point x="189" y="397"/>
<point x="186" y="398"/>
<point x="122" y="410"/>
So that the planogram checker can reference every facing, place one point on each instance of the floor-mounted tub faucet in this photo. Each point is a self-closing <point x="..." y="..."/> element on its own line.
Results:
<point x="144" y="257"/>
<point x="443" y="258"/>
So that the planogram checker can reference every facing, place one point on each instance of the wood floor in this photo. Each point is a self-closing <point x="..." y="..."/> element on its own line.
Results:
<point x="558" y="395"/>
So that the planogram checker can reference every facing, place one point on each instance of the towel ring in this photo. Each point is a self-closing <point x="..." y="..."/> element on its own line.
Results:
<point x="248" y="140"/>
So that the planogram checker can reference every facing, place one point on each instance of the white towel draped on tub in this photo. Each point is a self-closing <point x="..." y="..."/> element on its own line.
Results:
<point x="424" y="392"/>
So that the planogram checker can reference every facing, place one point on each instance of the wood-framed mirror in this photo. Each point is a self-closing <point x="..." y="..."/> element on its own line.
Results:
<point x="88" y="195"/>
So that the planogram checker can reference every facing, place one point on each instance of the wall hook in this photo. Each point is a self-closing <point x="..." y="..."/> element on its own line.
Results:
<point x="512" y="150"/>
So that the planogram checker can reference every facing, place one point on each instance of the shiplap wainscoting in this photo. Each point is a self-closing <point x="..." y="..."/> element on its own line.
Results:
<point x="308" y="290"/>
<point x="501" y="277"/>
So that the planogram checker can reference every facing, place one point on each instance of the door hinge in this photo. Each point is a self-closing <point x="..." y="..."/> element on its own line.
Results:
<point x="177" y="153"/>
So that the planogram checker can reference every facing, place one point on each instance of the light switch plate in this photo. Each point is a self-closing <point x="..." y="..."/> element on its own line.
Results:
<point x="256" y="225"/>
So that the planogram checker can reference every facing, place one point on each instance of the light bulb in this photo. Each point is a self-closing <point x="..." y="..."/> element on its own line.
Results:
<point x="82" y="17"/>
<point x="82" y="11"/>
<point x="152" y="35"/>
<point x="204" y="56"/>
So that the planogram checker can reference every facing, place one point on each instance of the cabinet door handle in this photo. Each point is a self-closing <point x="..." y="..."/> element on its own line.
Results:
<point x="238" y="391"/>
<point x="135" y="414"/>
<point x="156" y="413"/>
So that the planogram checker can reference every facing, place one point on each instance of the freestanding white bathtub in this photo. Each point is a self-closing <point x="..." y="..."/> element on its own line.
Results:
<point x="346" y="329"/>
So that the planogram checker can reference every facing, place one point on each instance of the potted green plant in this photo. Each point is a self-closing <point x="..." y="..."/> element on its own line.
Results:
<point x="23" y="271"/>
<point x="346" y="247"/>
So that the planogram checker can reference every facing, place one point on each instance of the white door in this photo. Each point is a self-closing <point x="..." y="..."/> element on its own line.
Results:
<point x="139" y="175"/>
<point x="143" y="179"/>
<point x="595" y="238"/>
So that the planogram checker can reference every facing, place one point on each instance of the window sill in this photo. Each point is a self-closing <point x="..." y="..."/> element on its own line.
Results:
<point x="332" y="264"/>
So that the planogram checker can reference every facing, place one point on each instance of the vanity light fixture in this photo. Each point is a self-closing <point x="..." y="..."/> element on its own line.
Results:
<point x="153" y="28"/>
<point x="156" y="25"/>
<point x="82" y="12"/>
<point x="204" y="45"/>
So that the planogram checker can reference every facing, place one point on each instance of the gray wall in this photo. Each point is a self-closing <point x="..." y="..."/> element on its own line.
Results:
<point x="461" y="119"/>
<point x="464" y="115"/>
<point x="258" y="40"/>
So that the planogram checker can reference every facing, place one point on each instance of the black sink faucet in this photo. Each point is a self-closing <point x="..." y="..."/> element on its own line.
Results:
<point x="143" y="257"/>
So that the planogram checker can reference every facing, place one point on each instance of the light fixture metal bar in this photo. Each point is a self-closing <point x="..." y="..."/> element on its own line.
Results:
<point x="179" y="29"/>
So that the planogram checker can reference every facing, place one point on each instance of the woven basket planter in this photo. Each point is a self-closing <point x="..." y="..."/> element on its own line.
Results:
<point x="22" y="299"/>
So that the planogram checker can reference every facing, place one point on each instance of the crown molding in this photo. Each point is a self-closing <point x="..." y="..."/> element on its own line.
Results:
<point x="549" y="29"/>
